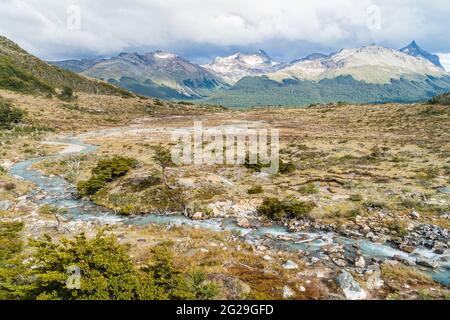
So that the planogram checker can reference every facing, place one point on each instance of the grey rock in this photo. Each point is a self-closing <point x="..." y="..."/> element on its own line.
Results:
<point x="370" y="235"/>
<point x="290" y="265"/>
<point x="339" y="262"/>
<point x="445" y="190"/>
<point x="414" y="214"/>
<point x="427" y="263"/>
<point x="350" y="287"/>
<point x="243" y="222"/>
<point x="197" y="216"/>
<point x="373" y="281"/>
<point x="288" y="292"/>
<point x="5" y="205"/>
<point x="360" y="262"/>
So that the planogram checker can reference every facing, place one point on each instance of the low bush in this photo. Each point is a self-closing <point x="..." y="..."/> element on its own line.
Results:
<point x="9" y="115"/>
<point x="66" y="94"/>
<point x="286" y="167"/>
<point x="10" y="241"/>
<point x="308" y="189"/>
<point x="9" y="186"/>
<point x="255" y="189"/>
<point x="106" y="171"/>
<point x="355" y="197"/>
<point x="106" y="273"/>
<point x="283" y="167"/>
<point x="399" y="226"/>
<point x="290" y="208"/>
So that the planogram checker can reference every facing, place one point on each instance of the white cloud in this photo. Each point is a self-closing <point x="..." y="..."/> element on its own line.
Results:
<point x="445" y="60"/>
<point x="114" y="25"/>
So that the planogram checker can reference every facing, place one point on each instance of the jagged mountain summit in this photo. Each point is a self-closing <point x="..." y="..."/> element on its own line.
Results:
<point x="414" y="50"/>
<point x="239" y="65"/>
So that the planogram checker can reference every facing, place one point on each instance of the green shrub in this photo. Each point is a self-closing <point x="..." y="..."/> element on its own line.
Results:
<point x="174" y="283"/>
<point x="106" y="273"/>
<point x="290" y="208"/>
<point x="255" y="189"/>
<point x="66" y="94"/>
<point x="283" y="167"/>
<point x="48" y="209"/>
<point x="355" y="197"/>
<point x="9" y="115"/>
<point x="286" y="167"/>
<point x="106" y="171"/>
<point x="308" y="189"/>
<point x="9" y="186"/>
<point x="10" y="241"/>
<point x="399" y="226"/>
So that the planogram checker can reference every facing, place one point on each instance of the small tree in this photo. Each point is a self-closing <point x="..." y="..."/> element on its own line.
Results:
<point x="67" y="94"/>
<point x="164" y="158"/>
<point x="9" y="115"/>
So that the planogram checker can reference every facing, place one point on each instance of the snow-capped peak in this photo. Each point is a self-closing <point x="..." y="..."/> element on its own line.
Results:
<point x="372" y="64"/>
<point x="236" y="66"/>
<point x="164" y="55"/>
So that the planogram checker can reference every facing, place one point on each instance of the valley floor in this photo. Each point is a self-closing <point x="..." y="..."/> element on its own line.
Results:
<point x="374" y="176"/>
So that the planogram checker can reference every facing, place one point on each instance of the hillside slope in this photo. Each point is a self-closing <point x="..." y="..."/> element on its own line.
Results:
<point x="23" y="72"/>
<point x="262" y="91"/>
<point x="443" y="99"/>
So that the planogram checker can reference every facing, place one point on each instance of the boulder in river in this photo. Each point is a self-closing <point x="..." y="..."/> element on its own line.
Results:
<point x="243" y="222"/>
<point x="427" y="263"/>
<point x="197" y="216"/>
<point x="351" y="288"/>
<point x="360" y="262"/>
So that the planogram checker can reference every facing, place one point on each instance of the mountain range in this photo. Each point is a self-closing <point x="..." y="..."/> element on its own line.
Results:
<point x="370" y="74"/>
<point x="157" y="74"/>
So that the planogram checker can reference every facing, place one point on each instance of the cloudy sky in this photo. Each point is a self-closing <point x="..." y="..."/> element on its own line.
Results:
<point x="201" y="29"/>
